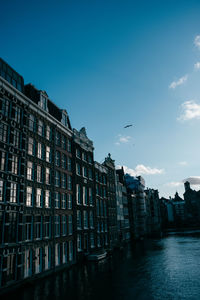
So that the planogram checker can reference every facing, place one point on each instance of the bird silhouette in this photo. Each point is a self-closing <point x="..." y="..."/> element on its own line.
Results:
<point x="128" y="126"/>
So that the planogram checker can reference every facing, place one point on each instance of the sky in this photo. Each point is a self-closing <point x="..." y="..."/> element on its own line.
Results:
<point x="111" y="63"/>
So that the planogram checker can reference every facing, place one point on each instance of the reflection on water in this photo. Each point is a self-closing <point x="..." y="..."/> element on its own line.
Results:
<point x="159" y="269"/>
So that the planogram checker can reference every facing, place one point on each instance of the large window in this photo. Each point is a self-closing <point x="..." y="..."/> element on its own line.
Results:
<point x="48" y="132"/>
<point x="91" y="219"/>
<point x="3" y="132"/>
<point x="78" y="169"/>
<point x="29" y="170"/>
<point x="47" y="226"/>
<point x="39" y="173"/>
<point x="64" y="161"/>
<point x="78" y="194"/>
<point x="71" y="250"/>
<point x="4" y="107"/>
<point x="79" y="222"/>
<point x="38" y="197"/>
<point x="57" y="225"/>
<point x="64" y="181"/>
<point x="48" y="153"/>
<point x="28" y="228"/>
<point x="57" y="158"/>
<point x="63" y="142"/>
<point x="47" y="176"/>
<point x="14" y="165"/>
<point x="57" y="178"/>
<point x="38" y="227"/>
<point x="69" y="201"/>
<point x="57" y="138"/>
<point x="92" y="244"/>
<point x="69" y="182"/>
<point x="78" y="153"/>
<point x="16" y="138"/>
<point x="13" y="192"/>
<point x="1" y="190"/>
<point x="64" y="225"/>
<point x="31" y="122"/>
<point x="16" y="113"/>
<point x="47" y="198"/>
<point x="29" y="196"/>
<point x="85" y="218"/>
<point x="90" y="196"/>
<point x="84" y="172"/>
<point x="69" y="164"/>
<point x="39" y="150"/>
<point x="85" y="196"/>
<point x="30" y="146"/>
<point x="90" y="173"/>
<point x="57" y="200"/>
<point x="2" y="160"/>
<point x="69" y="146"/>
<point x="63" y="200"/>
<point x="70" y="225"/>
<point x="40" y="127"/>
<point x="79" y="248"/>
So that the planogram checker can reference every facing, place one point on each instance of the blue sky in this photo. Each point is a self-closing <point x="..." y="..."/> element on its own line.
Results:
<point x="111" y="63"/>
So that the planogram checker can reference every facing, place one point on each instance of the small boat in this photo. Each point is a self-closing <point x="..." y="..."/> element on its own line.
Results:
<point x="97" y="256"/>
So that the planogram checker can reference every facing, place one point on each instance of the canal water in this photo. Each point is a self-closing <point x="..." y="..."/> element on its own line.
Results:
<point x="155" y="269"/>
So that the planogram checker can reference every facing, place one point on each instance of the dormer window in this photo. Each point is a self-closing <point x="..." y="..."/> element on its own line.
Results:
<point x="43" y="102"/>
<point x="64" y="119"/>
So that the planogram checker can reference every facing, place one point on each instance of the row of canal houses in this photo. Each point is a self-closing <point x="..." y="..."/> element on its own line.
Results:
<point x="57" y="204"/>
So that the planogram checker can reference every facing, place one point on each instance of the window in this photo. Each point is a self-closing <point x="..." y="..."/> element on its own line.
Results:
<point x="16" y="114"/>
<point x="89" y="158"/>
<point x="63" y="200"/>
<point x="57" y="200"/>
<point x="78" y="194"/>
<point x="85" y="196"/>
<point x="30" y="146"/>
<point x="31" y="122"/>
<point x="79" y="225"/>
<point x="48" y="153"/>
<point x="98" y="241"/>
<point x="28" y="228"/>
<point x="5" y="107"/>
<point x="84" y="156"/>
<point x="38" y="260"/>
<point x="97" y="206"/>
<point x="39" y="150"/>
<point x="64" y="161"/>
<point x="105" y="210"/>
<point x="13" y="192"/>
<point x="16" y="138"/>
<point x="79" y="248"/>
<point x="47" y="226"/>
<point x="101" y="207"/>
<point x="70" y="250"/>
<point x="92" y="245"/>
<point x="78" y="153"/>
<point x="90" y="173"/>
<point x="38" y="197"/>
<point x="39" y="173"/>
<point x="57" y="158"/>
<point x="38" y="227"/>
<point x="40" y="127"/>
<point x="57" y="254"/>
<point x="64" y="225"/>
<point x="43" y="102"/>
<point x="57" y="178"/>
<point x="29" y="196"/>
<point x="69" y="182"/>
<point x="48" y="132"/>
<point x="64" y="181"/>
<point x="57" y="225"/>
<point x="78" y="169"/>
<point x="69" y="146"/>
<point x="64" y="251"/>
<point x="57" y="138"/>
<point x="84" y="171"/>
<point x="29" y="170"/>
<point x="2" y="160"/>
<point x="69" y="164"/>
<point x="63" y="141"/>
<point x="47" y="198"/>
<point x="90" y="196"/>
<point x="85" y="219"/>
<point x="1" y="190"/>
<point x="91" y="219"/>
<point x="3" y="132"/>
<point x="47" y="252"/>
<point x="47" y="176"/>
<point x="70" y="225"/>
<point x="69" y="201"/>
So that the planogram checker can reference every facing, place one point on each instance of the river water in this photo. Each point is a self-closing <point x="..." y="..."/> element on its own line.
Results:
<point x="158" y="269"/>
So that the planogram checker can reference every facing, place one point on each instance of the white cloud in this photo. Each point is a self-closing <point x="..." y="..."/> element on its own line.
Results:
<point x="193" y="180"/>
<point x="123" y="139"/>
<point x="190" y="110"/>
<point x="142" y="170"/>
<point x="174" y="184"/>
<point x="197" y="41"/>
<point x="183" y="163"/>
<point x="180" y="81"/>
<point x="197" y="65"/>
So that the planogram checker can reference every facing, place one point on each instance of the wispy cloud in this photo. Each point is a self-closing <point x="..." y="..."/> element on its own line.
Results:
<point x="180" y="81"/>
<point x="123" y="139"/>
<point x="197" y="65"/>
<point x="190" y="110"/>
<point x="197" y="41"/>
<point x="142" y="170"/>
<point x="174" y="184"/>
<point x="183" y="163"/>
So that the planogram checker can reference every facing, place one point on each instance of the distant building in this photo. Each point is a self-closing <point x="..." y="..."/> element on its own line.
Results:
<point x="179" y="209"/>
<point x="137" y="206"/>
<point x="153" y="213"/>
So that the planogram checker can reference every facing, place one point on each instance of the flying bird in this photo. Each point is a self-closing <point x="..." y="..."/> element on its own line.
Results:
<point x="128" y="126"/>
